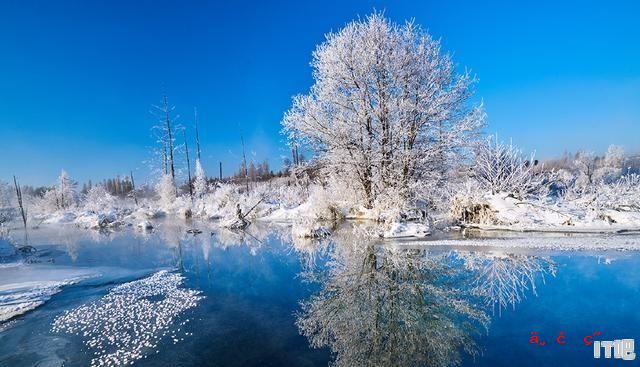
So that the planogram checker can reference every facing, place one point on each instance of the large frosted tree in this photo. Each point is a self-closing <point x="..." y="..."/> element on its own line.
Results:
<point x="387" y="111"/>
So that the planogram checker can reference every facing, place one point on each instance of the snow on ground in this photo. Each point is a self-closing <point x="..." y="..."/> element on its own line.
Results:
<point x="24" y="287"/>
<point x="509" y="213"/>
<point x="131" y="319"/>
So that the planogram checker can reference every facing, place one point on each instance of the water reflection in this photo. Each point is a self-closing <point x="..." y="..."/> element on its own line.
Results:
<point x="368" y="302"/>
<point x="503" y="279"/>
<point x="386" y="305"/>
<point x="381" y="306"/>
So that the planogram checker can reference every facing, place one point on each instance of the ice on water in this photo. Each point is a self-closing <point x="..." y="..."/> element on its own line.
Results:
<point x="129" y="322"/>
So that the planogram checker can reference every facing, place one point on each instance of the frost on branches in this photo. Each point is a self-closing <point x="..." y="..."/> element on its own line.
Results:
<point x="99" y="200"/>
<point x="200" y="181"/>
<point x="166" y="191"/>
<point x="387" y="111"/>
<point x="67" y="193"/>
<point x="503" y="168"/>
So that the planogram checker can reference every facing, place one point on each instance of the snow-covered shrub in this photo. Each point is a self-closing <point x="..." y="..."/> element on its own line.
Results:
<point x="221" y="202"/>
<point x="99" y="200"/>
<point x="623" y="194"/>
<point x="502" y="168"/>
<point x="469" y="205"/>
<point x="322" y="204"/>
<point x="62" y="197"/>
<point x="290" y="196"/>
<point x="166" y="191"/>
<point x="46" y="204"/>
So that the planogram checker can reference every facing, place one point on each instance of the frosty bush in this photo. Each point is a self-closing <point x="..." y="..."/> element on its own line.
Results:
<point x="502" y="168"/>
<point x="48" y="203"/>
<point x="623" y="194"/>
<point x="221" y="202"/>
<point x="99" y="200"/>
<point x="386" y="110"/>
<point x="322" y="204"/>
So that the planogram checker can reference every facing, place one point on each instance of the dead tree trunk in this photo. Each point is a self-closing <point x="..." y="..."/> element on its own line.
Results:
<point x="244" y="164"/>
<point x="23" y="211"/>
<point x="133" y="189"/>
<point x="186" y="151"/>
<point x="195" y="113"/>
<point x="167" y="111"/>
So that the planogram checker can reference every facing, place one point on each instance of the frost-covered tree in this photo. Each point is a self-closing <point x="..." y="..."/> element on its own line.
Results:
<point x="200" y="181"/>
<point x="387" y="110"/>
<point x="49" y="202"/>
<point x="165" y="134"/>
<point x="586" y="164"/>
<point x="99" y="200"/>
<point x="166" y="191"/>
<point x="66" y="191"/>
<point x="614" y="157"/>
<point x="610" y="168"/>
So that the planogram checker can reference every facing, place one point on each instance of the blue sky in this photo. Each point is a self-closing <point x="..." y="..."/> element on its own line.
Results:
<point x="77" y="78"/>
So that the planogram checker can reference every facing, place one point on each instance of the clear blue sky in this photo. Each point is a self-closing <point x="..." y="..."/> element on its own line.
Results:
<point x="77" y="78"/>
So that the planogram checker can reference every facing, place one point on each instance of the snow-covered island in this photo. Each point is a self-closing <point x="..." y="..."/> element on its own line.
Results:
<point x="394" y="135"/>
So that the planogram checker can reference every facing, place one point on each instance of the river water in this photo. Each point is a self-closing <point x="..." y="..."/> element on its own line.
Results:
<point x="261" y="298"/>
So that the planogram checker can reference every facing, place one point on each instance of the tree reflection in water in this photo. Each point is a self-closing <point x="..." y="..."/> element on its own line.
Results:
<point x="382" y="306"/>
<point x="503" y="279"/>
<point x="393" y="306"/>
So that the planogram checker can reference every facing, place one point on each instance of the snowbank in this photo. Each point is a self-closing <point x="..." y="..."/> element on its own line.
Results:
<point x="504" y="212"/>
<point x="25" y="287"/>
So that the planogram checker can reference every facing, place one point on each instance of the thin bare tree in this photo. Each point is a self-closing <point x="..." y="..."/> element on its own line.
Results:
<point x="23" y="210"/>
<point x="133" y="189"/>
<point x="244" y="164"/>
<point x="195" y="117"/>
<point x="186" y="152"/>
